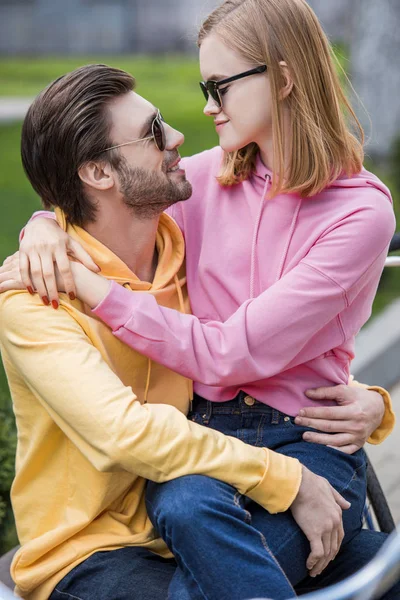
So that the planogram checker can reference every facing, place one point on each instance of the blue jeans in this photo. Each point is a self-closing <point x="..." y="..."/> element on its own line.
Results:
<point x="129" y="573"/>
<point x="228" y="547"/>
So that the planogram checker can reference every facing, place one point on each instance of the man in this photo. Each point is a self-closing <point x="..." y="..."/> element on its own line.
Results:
<point x="95" y="419"/>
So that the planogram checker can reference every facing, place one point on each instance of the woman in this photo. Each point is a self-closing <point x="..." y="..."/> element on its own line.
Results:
<point x="286" y="240"/>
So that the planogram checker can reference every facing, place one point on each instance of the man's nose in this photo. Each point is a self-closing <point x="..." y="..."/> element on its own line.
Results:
<point x="175" y="138"/>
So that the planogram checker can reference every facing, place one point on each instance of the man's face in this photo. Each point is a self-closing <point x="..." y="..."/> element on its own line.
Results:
<point x="149" y="180"/>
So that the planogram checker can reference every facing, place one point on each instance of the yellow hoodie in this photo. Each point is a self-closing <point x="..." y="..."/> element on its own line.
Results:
<point x="87" y="438"/>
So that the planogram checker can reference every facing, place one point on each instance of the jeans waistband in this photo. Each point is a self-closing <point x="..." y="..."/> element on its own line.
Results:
<point x="242" y="404"/>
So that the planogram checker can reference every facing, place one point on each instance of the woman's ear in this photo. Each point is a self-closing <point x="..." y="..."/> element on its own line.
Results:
<point x="287" y="88"/>
<point x="97" y="175"/>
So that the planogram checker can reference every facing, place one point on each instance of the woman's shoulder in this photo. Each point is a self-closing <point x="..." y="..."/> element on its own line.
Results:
<point x="204" y="164"/>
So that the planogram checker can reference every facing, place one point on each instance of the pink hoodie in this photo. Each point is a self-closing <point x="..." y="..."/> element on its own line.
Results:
<point x="279" y="288"/>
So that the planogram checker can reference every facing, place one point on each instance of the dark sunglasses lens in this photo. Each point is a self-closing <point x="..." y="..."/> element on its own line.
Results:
<point x="204" y="90"/>
<point x="210" y="89"/>
<point x="159" y="134"/>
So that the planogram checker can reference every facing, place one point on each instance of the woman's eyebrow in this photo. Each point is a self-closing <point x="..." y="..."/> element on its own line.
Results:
<point x="217" y="77"/>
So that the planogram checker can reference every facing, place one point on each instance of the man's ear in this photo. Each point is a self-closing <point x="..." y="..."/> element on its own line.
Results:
<point x="98" y="175"/>
<point x="287" y="88"/>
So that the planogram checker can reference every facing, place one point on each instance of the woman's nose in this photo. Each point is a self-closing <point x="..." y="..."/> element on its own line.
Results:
<point x="211" y="108"/>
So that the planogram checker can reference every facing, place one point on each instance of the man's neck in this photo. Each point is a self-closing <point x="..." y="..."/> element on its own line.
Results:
<point x="132" y="240"/>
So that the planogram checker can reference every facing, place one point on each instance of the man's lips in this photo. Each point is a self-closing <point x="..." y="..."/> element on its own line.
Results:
<point x="173" y="167"/>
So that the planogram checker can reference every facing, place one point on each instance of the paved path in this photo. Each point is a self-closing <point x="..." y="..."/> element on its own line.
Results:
<point x="386" y="460"/>
<point x="13" y="109"/>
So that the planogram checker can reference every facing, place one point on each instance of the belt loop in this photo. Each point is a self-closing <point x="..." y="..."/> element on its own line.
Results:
<point x="208" y="412"/>
<point x="275" y="417"/>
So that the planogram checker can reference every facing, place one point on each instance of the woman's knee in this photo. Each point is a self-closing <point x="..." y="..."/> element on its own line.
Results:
<point x="182" y="500"/>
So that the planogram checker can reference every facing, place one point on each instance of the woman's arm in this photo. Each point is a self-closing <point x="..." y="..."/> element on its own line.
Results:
<point x="277" y="330"/>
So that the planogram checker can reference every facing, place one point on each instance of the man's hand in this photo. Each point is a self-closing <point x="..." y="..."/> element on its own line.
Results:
<point x="46" y="246"/>
<point x="317" y="510"/>
<point x="348" y="425"/>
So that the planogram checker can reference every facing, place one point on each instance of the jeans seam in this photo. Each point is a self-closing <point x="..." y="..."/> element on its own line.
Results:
<point x="260" y="429"/>
<point x="262" y="537"/>
<point x="67" y="594"/>
<point x="267" y="549"/>
<point x="352" y="478"/>
<point x="247" y="515"/>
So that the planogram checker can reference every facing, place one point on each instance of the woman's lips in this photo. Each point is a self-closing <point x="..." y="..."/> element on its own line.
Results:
<point x="220" y="124"/>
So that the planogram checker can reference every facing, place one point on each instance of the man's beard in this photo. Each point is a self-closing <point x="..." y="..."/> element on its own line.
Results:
<point x="149" y="193"/>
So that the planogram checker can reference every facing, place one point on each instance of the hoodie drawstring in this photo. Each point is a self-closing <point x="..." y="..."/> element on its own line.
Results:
<point x="255" y="236"/>
<point x="146" y="391"/>
<point x="183" y="310"/>
<point x="149" y="364"/>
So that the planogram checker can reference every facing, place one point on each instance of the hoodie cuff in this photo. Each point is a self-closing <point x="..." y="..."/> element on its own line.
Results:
<point x="389" y="419"/>
<point x="117" y="307"/>
<point x="280" y="485"/>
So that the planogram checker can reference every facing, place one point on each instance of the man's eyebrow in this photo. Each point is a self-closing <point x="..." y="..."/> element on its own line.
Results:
<point x="148" y="123"/>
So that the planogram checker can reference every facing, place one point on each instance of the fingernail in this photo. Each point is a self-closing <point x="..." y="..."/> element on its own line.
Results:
<point x="97" y="266"/>
<point x="298" y="420"/>
<point x="30" y="290"/>
<point x="54" y="304"/>
<point x="45" y="300"/>
<point x="72" y="296"/>
<point x="302" y="413"/>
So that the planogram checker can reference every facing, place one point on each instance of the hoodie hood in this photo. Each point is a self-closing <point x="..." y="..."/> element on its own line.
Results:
<point x="361" y="180"/>
<point x="364" y="179"/>
<point x="171" y="253"/>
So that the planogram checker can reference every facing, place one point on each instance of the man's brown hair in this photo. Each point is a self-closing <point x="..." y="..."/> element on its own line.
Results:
<point x="67" y="126"/>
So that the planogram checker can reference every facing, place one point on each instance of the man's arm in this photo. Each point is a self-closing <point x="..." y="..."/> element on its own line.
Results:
<point x="103" y="418"/>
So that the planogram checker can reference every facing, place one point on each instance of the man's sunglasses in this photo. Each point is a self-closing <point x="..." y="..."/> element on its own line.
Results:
<point x="211" y="88"/>
<point x="158" y="135"/>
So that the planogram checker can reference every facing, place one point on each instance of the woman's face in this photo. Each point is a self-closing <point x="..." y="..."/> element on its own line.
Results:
<point x="245" y="115"/>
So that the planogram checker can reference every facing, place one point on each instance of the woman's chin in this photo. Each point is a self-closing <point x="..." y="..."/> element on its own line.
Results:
<point x="232" y="145"/>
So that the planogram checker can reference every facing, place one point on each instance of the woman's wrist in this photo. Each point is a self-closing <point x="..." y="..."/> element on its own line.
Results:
<point x="90" y="287"/>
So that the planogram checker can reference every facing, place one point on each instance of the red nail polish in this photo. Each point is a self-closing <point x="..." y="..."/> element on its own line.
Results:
<point x="72" y="296"/>
<point x="30" y="290"/>
<point x="54" y="304"/>
<point x="45" y="300"/>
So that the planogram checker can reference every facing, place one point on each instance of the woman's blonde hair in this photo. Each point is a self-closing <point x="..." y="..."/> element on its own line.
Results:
<point x="322" y="144"/>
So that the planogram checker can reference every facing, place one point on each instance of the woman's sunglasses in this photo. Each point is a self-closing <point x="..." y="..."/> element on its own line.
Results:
<point x="211" y="88"/>
<point x="158" y="135"/>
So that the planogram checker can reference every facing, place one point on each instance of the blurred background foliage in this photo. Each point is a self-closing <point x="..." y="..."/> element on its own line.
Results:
<point x="171" y="83"/>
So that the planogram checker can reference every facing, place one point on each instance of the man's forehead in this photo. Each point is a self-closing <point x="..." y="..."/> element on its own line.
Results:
<point x="131" y="111"/>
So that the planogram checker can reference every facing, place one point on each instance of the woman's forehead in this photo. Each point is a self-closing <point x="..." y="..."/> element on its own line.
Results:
<point x="218" y="61"/>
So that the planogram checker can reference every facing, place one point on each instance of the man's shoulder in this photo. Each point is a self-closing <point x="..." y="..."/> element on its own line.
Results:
<point x="20" y="312"/>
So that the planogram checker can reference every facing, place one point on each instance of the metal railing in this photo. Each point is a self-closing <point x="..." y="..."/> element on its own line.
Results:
<point x="6" y="593"/>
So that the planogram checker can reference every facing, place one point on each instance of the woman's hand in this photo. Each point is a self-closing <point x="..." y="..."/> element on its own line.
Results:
<point x="91" y="288"/>
<point x="10" y="276"/>
<point x="348" y="425"/>
<point x="46" y="246"/>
